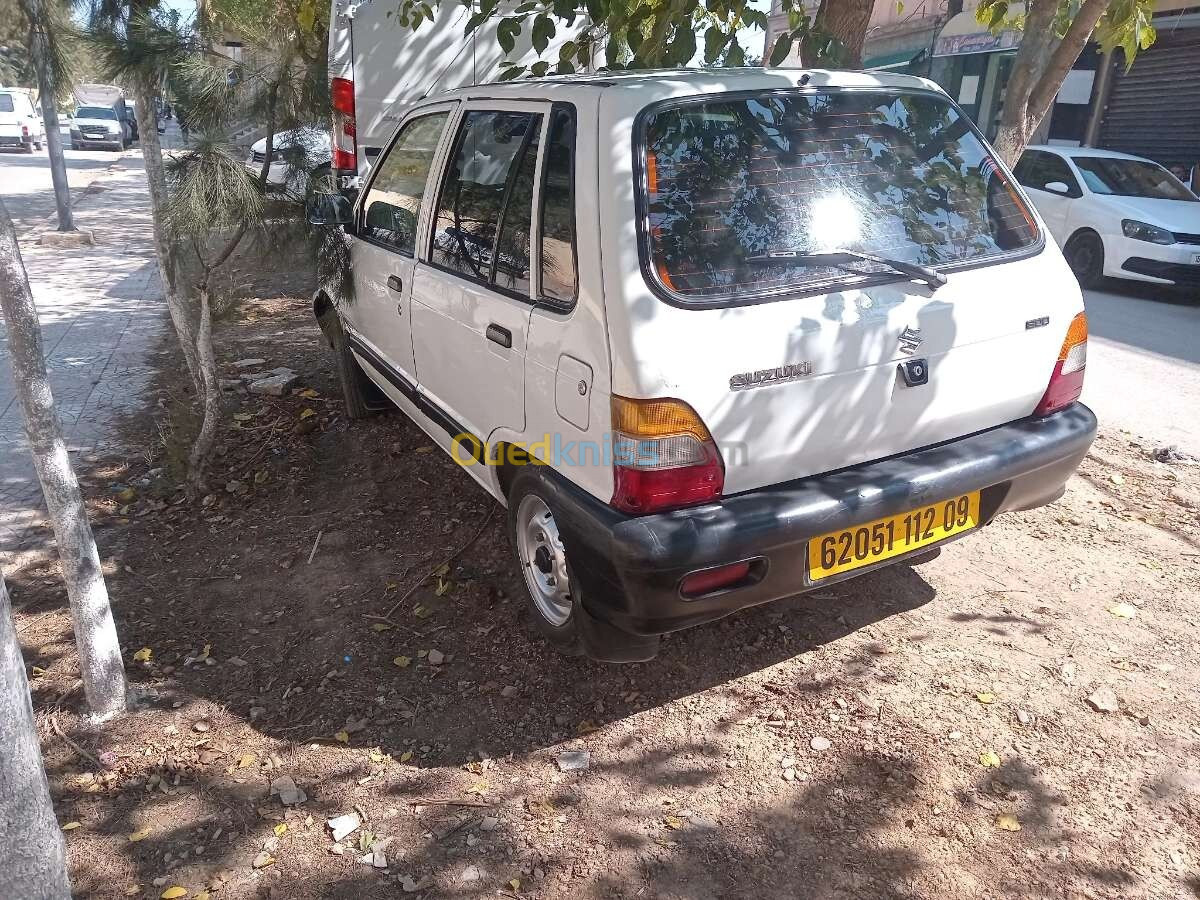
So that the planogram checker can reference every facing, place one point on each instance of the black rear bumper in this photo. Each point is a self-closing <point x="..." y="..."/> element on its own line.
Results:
<point x="628" y="569"/>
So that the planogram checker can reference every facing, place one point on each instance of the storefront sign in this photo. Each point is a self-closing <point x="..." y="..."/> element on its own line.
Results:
<point x="960" y="44"/>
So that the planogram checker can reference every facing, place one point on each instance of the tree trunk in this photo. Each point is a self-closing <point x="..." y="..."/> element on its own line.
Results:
<point x="33" y="854"/>
<point x="46" y="91"/>
<point x="182" y="316"/>
<point x="847" y="21"/>
<point x="202" y="446"/>
<point x="100" y="664"/>
<point x="1039" y="69"/>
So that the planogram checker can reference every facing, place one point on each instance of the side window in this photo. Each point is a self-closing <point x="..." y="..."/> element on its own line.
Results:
<point x="1055" y="168"/>
<point x="490" y="176"/>
<point x="1029" y="169"/>
<point x="393" y="202"/>
<point x="559" y="280"/>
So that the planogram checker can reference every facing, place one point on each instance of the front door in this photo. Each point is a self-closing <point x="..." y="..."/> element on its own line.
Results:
<point x="383" y="253"/>
<point x="471" y="295"/>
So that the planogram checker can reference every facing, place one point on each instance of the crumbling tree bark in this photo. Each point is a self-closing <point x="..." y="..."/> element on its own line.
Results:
<point x="33" y="855"/>
<point x="100" y="664"/>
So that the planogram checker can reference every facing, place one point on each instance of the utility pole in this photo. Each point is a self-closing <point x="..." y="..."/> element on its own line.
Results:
<point x="46" y="90"/>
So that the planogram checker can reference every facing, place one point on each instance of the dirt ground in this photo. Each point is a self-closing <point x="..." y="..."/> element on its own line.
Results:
<point x="917" y="732"/>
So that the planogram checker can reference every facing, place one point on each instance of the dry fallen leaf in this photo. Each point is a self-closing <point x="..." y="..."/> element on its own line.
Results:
<point x="173" y="892"/>
<point x="985" y="697"/>
<point x="402" y="661"/>
<point x="134" y="889"/>
<point x="442" y="587"/>
<point x="515" y="884"/>
<point x="139" y="835"/>
<point x="406" y="756"/>
<point x="1008" y="822"/>
<point x="1123" y="610"/>
<point x="989" y="759"/>
<point x="342" y="736"/>
<point x="673" y="822"/>
<point x="71" y="826"/>
<point x="143" y="655"/>
<point x="308" y="394"/>
<point x="280" y="829"/>
<point x="307" y="413"/>
<point x="246" y="759"/>
<point x="381" y="626"/>
<point x="422" y="611"/>
<point x="480" y="787"/>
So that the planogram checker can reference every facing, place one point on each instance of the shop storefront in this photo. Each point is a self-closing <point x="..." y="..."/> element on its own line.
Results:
<point x="973" y="65"/>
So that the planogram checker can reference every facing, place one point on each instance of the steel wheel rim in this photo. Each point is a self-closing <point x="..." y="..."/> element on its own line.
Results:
<point x="543" y="560"/>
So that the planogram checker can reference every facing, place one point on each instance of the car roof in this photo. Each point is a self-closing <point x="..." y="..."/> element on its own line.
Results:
<point x="1073" y="152"/>
<point x="648" y="86"/>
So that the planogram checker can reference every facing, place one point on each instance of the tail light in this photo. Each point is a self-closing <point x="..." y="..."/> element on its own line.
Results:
<point x="709" y="581"/>
<point x="345" y="133"/>
<point x="24" y="131"/>
<point x="664" y="457"/>
<point x="1066" y="383"/>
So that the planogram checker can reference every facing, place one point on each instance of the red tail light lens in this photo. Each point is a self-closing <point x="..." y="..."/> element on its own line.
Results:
<point x="1066" y="381"/>
<point x="345" y="131"/>
<point x="665" y="457"/>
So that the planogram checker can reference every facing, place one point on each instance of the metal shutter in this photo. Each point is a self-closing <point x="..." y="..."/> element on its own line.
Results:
<point x="1154" y="108"/>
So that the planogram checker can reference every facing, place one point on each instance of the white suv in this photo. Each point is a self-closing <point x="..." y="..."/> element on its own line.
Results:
<point x="714" y="338"/>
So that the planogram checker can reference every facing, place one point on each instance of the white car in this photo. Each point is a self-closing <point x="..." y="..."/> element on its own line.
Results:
<point x="299" y="157"/>
<point x="103" y="126"/>
<point x="715" y="338"/>
<point x="20" y="121"/>
<point x="1115" y="215"/>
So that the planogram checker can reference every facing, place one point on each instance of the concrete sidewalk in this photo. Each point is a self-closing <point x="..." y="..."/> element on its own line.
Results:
<point x="102" y="313"/>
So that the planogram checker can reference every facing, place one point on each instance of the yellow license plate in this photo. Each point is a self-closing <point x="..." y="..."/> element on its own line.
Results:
<point x="872" y="542"/>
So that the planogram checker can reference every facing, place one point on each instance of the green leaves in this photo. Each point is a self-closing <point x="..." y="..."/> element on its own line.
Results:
<point x="506" y="34"/>
<point x="783" y="46"/>
<point x="1127" y="24"/>
<point x="543" y="31"/>
<point x="714" y="42"/>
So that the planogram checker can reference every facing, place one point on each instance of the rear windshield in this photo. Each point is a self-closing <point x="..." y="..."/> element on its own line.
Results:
<point x="731" y="182"/>
<point x="96" y="112"/>
<point x="1130" y="178"/>
<point x="6" y="103"/>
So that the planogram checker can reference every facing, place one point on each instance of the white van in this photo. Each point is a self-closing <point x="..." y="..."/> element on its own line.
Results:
<point x="20" y="120"/>
<point x="714" y="337"/>
<point x="101" y="118"/>
<point x="378" y="69"/>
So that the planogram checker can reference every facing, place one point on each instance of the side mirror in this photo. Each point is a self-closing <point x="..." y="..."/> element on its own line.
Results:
<point x="1058" y="187"/>
<point x="329" y="209"/>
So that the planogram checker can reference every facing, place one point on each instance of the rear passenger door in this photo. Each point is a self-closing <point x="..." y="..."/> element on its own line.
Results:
<point x="471" y="294"/>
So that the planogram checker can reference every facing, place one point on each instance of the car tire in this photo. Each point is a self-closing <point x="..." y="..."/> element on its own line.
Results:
<point x="1085" y="255"/>
<point x="362" y="398"/>
<point x="552" y="597"/>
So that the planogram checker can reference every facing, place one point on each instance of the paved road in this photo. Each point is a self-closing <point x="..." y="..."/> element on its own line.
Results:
<point x="1143" y="371"/>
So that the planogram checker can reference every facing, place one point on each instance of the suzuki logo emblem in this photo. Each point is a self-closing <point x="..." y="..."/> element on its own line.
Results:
<point x="910" y="340"/>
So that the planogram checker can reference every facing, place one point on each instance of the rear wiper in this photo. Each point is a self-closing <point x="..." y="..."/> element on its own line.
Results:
<point x="842" y="259"/>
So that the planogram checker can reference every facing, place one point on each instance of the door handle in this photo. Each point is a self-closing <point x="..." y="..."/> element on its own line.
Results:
<point x="395" y="283"/>
<point x="501" y="336"/>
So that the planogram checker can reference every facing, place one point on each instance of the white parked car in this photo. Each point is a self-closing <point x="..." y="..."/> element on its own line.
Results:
<point x="299" y="157"/>
<point x="1115" y="215"/>
<point x="103" y="126"/>
<point x="715" y="338"/>
<point x="20" y="120"/>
